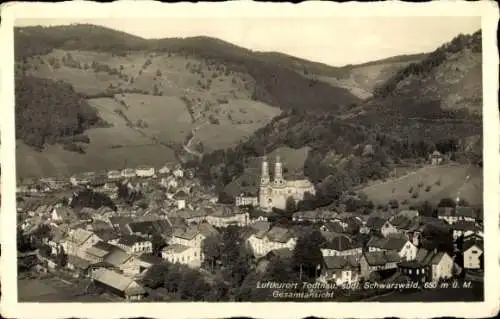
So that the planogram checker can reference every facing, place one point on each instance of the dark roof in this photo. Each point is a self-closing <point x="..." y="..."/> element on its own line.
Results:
<point x="340" y="262"/>
<point x="395" y="243"/>
<point x="378" y="258"/>
<point x="375" y="222"/>
<point x="469" y="243"/>
<point x="282" y="253"/>
<point x="401" y="222"/>
<point x="464" y="225"/>
<point x="339" y="243"/>
<point x="152" y="259"/>
<point x="78" y="262"/>
<point x="130" y="240"/>
<point x="445" y="211"/>
<point x="105" y="246"/>
<point x="117" y="257"/>
<point x="143" y="227"/>
<point x="465" y="211"/>
<point x="120" y="223"/>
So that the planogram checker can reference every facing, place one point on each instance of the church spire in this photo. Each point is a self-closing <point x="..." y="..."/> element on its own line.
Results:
<point x="264" y="179"/>
<point x="278" y="171"/>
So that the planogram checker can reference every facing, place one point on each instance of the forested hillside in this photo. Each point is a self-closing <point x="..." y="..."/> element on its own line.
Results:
<point x="47" y="111"/>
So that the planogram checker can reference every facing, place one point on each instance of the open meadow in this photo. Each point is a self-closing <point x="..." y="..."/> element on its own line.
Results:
<point x="431" y="183"/>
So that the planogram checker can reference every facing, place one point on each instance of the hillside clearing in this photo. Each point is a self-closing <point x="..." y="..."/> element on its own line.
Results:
<point x="440" y="181"/>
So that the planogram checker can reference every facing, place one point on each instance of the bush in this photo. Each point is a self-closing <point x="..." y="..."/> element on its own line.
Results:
<point x="438" y="182"/>
<point x="410" y="190"/>
<point x="414" y="195"/>
<point x="428" y="188"/>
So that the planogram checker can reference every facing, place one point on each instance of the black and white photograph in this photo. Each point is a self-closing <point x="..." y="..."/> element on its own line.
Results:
<point x="223" y="159"/>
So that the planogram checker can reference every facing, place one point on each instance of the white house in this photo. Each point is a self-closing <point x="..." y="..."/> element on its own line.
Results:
<point x="402" y="246"/>
<point x="128" y="172"/>
<point x="388" y="229"/>
<point x="181" y="198"/>
<point x="340" y="270"/>
<point x="465" y="228"/>
<point x="79" y="241"/>
<point x="225" y="218"/>
<point x="263" y="242"/>
<point x="377" y="261"/>
<point x="134" y="244"/>
<point x="473" y="251"/>
<point x="181" y="254"/>
<point x="189" y="236"/>
<point x="165" y="169"/>
<point x="169" y="182"/>
<point x="145" y="171"/>
<point x="178" y="172"/>
<point x="442" y="266"/>
<point x="340" y="245"/>
<point x="246" y="200"/>
<point x="113" y="174"/>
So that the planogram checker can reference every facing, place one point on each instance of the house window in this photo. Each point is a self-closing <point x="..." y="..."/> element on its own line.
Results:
<point x="474" y="251"/>
<point x="417" y="271"/>
<point x="409" y="271"/>
<point x="423" y="271"/>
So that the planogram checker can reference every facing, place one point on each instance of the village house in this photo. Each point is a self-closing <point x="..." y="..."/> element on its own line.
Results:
<point x="428" y="266"/>
<point x="178" y="172"/>
<point x="454" y="214"/>
<point x="465" y="228"/>
<point x="340" y="270"/>
<point x="223" y="217"/>
<point x="402" y="246"/>
<point x="169" y="182"/>
<point x="165" y="169"/>
<point x="473" y="254"/>
<point x="98" y="252"/>
<point x="79" y="266"/>
<point x="128" y="172"/>
<point x="114" y="175"/>
<point x="63" y="214"/>
<point x="133" y="244"/>
<point x="375" y="225"/>
<point x="145" y="171"/>
<point x="118" y="284"/>
<point x="186" y="255"/>
<point x="79" y="179"/>
<point x="378" y="261"/>
<point x="79" y="241"/>
<point x="276" y="255"/>
<point x="404" y="225"/>
<point x="126" y="263"/>
<point x="436" y="157"/>
<point x="262" y="243"/>
<point x="181" y="198"/>
<point x="340" y="245"/>
<point x="188" y="236"/>
<point x="246" y="199"/>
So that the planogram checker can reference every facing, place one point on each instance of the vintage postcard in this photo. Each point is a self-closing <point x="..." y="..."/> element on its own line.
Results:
<point x="257" y="159"/>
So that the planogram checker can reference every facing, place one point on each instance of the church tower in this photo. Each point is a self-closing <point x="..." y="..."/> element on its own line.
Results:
<point x="264" y="175"/>
<point x="264" y="191"/>
<point x="278" y="172"/>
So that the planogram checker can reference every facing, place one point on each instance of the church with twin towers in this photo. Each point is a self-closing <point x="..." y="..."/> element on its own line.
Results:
<point x="276" y="192"/>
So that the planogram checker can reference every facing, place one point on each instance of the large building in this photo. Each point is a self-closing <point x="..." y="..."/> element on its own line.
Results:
<point x="277" y="192"/>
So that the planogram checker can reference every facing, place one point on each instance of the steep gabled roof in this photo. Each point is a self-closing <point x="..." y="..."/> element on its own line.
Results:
<point x="340" y="262"/>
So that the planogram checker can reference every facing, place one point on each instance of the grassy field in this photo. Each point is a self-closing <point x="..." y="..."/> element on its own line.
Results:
<point x="52" y="290"/>
<point x="293" y="165"/>
<point x="439" y="181"/>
